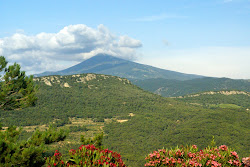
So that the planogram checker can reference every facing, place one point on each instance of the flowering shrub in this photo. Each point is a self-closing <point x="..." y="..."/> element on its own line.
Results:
<point x="87" y="155"/>
<point x="190" y="156"/>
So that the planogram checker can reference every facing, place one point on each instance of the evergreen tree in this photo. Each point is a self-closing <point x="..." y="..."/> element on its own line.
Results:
<point x="16" y="89"/>
<point x="31" y="152"/>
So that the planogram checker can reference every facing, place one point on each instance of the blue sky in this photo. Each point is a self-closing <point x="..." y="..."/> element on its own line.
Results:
<point x="209" y="38"/>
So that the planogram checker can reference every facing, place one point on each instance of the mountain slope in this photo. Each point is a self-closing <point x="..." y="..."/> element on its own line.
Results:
<point x="146" y="121"/>
<point x="173" y="88"/>
<point x="109" y="65"/>
<point x="219" y="99"/>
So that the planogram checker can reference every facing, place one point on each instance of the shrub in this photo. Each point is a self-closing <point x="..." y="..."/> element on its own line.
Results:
<point x="190" y="156"/>
<point x="77" y="128"/>
<point x="62" y="122"/>
<point x="87" y="155"/>
<point x="28" y="152"/>
<point x="99" y="119"/>
<point x="97" y="140"/>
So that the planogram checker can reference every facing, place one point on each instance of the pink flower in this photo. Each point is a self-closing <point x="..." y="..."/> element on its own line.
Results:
<point x="223" y="147"/>
<point x="172" y="160"/>
<point x="233" y="153"/>
<point x="179" y="161"/>
<point x="236" y="162"/>
<point x="191" y="155"/>
<point x="212" y="156"/>
<point x="194" y="146"/>
<point x="215" y="163"/>
<point x="208" y="162"/>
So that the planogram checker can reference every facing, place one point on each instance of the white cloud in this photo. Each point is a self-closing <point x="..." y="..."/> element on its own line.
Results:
<point x="231" y="62"/>
<point x="126" y="41"/>
<point x="72" y="44"/>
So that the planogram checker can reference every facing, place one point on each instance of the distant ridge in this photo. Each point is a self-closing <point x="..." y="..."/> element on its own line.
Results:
<point x="227" y="93"/>
<point x="174" y="88"/>
<point x="110" y="65"/>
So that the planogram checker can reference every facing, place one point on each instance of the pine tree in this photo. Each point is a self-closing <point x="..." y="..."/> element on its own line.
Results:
<point x="16" y="89"/>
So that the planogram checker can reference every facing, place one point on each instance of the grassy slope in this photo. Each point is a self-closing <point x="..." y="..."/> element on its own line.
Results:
<point x="157" y="121"/>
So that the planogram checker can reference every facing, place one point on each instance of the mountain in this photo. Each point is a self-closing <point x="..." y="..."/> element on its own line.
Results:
<point x="134" y="121"/>
<point x="174" y="88"/>
<point x="109" y="65"/>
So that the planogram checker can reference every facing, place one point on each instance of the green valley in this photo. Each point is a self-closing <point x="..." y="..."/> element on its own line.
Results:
<point x="134" y="121"/>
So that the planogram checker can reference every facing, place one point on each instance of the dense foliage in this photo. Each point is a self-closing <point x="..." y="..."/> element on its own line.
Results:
<point x="85" y="156"/>
<point x="177" y="127"/>
<point x="100" y="98"/>
<point x="31" y="152"/>
<point x="16" y="90"/>
<point x="191" y="156"/>
<point x="97" y="140"/>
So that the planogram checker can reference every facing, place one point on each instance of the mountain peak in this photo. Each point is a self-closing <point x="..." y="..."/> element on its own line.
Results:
<point x="110" y="65"/>
<point x="101" y="58"/>
<point x="104" y="56"/>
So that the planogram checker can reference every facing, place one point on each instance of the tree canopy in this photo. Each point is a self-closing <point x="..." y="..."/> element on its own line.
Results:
<point x="16" y="89"/>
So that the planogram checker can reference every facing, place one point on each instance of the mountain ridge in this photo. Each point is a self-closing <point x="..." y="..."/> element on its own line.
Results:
<point x="110" y="65"/>
<point x="226" y="92"/>
<point x="174" y="88"/>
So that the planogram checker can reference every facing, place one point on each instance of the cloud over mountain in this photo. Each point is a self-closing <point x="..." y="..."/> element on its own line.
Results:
<point x="74" y="43"/>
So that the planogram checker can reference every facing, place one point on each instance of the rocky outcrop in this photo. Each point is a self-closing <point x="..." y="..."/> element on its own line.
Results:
<point x="79" y="78"/>
<point x="233" y="92"/>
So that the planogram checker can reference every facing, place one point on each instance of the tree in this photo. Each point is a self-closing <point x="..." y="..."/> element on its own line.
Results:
<point x="16" y="89"/>
<point x="31" y="152"/>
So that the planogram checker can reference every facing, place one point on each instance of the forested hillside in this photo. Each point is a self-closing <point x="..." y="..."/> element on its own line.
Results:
<point x="219" y="99"/>
<point x="135" y="121"/>
<point x="174" y="88"/>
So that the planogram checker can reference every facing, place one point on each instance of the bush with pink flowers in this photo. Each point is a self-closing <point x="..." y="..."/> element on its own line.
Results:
<point x="191" y="156"/>
<point x="87" y="155"/>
